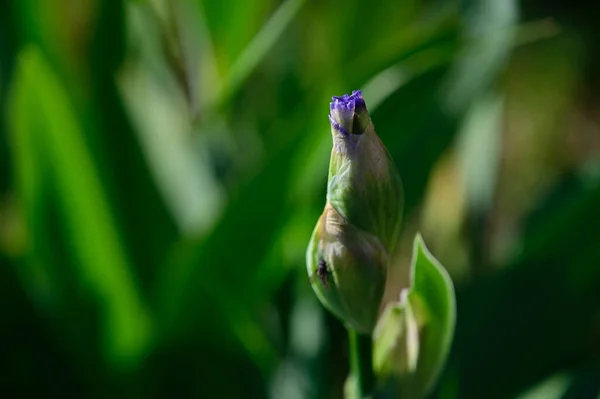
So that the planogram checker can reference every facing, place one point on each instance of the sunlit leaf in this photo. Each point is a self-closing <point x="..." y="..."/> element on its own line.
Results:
<point x="432" y="296"/>
<point x="479" y="146"/>
<point x="413" y="336"/>
<point x="258" y="48"/>
<point x="554" y="387"/>
<point x="489" y="35"/>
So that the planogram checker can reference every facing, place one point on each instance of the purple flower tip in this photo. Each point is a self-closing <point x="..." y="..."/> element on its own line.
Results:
<point x="343" y="109"/>
<point x="347" y="101"/>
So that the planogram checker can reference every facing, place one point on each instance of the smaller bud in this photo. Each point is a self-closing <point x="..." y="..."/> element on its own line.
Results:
<point x="397" y="337"/>
<point x="350" y="247"/>
<point x="413" y="336"/>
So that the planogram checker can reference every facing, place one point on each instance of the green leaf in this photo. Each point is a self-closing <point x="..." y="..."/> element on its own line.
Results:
<point x="413" y="336"/>
<point x="432" y="296"/>
<point x="260" y="45"/>
<point x="44" y="120"/>
<point x="554" y="387"/>
<point x="489" y="31"/>
<point x="479" y="146"/>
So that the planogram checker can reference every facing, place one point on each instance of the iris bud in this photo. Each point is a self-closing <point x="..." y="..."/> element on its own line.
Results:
<point x="351" y="245"/>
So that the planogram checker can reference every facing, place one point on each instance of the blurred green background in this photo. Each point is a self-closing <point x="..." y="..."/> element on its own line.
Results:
<point x="162" y="165"/>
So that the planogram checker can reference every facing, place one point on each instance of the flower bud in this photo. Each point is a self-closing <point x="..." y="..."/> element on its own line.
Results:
<point x="351" y="245"/>
<point x="397" y="339"/>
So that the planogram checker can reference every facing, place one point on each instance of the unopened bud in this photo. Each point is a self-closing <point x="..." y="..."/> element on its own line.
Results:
<point x="353" y="240"/>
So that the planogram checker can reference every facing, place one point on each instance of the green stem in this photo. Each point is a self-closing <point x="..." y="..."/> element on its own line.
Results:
<point x="361" y="362"/>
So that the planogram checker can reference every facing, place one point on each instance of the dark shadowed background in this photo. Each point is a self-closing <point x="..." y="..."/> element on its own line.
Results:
<point x="163" y="163"/>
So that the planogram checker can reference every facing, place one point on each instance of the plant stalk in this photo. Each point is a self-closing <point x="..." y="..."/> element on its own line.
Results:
<point x="361" y="362"/>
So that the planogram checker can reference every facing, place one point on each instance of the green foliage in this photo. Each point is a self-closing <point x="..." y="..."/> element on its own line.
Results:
<point x="162" y="164"/>
<point x="53" y="156"/>
<point x="432" y="296"/>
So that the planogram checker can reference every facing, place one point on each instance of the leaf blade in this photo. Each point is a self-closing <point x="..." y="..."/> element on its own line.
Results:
<point x="99" y="256"/>
<point x="432" y="294"/>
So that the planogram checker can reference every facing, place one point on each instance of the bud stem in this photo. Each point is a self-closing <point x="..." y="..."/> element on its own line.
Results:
<point x="361" y="362"/>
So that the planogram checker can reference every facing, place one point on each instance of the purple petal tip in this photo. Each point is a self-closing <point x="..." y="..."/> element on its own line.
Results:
<point x="347" y="101"/>
<point x="345" y="106"/>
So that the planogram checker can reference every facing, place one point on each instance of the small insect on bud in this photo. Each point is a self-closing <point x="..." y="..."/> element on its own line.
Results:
<point x="353" y="240"/>
<point x="323" y="272"/>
